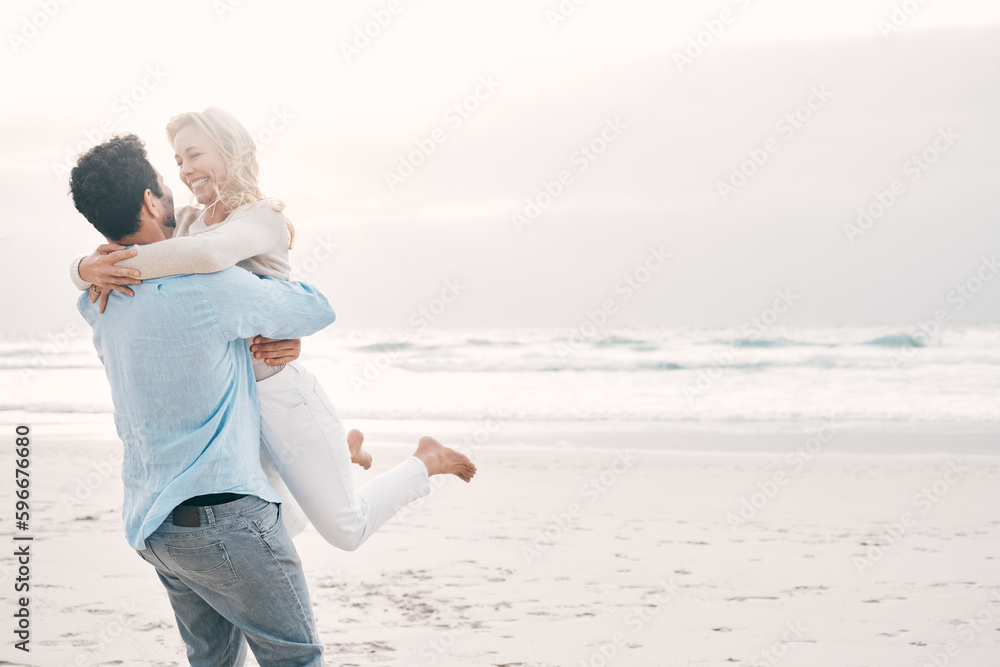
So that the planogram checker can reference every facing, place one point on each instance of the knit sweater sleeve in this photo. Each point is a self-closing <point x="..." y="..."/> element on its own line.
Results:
<point x="74" y="273"/>
<point x="247" y="232"/>
<point x="185" y="215"/>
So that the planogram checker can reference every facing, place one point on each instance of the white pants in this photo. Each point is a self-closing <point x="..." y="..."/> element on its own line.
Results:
<point x="305" y="456"/>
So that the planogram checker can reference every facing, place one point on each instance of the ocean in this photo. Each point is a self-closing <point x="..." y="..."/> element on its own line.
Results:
<point x="785" y="379"/>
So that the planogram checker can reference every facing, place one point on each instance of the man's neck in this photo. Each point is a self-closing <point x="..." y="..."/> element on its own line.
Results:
<point x="147" y="234"/>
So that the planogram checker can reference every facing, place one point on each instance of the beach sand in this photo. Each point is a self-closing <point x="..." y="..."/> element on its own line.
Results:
<point x="574" y="556"/>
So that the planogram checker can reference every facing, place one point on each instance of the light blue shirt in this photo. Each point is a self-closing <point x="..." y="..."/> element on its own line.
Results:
<point x="182" y="383"/>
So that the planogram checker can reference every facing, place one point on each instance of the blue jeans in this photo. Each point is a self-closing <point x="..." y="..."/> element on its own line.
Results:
<point x="236" y="579"/>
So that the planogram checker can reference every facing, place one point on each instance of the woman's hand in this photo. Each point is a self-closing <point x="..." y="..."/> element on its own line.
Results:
<point x="275" y="352"/>
<point x="96" y="292"/>
<point x="99" y="269"/>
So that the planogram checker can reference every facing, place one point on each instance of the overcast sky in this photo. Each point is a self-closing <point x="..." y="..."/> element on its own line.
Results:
<point x="829" y="101"/>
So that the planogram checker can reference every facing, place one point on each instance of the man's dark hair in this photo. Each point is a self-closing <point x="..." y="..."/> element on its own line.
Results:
<point x="108" y="184"/>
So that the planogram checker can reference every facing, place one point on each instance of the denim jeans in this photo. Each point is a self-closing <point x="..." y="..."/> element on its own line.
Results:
<point x="234" y="580"/>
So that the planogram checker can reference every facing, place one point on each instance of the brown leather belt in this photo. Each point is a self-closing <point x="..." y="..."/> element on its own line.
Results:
<point x="186" y="514"/>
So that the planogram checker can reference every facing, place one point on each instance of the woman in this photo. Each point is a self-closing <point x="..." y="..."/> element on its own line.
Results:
<point x="303" y="440"/>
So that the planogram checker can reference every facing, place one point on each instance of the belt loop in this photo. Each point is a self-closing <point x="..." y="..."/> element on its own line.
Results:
<point x="210" y="515"/>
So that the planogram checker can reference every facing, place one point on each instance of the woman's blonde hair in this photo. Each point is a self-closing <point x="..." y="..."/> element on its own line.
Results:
<point x="240" y="154"/>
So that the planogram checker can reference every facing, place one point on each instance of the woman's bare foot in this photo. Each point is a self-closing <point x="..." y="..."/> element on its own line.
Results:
<point x="441" y="460"/>
<point x="355" y="439"/>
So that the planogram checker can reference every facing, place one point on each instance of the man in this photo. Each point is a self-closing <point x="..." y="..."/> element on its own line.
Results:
<point x="198" y="506"/>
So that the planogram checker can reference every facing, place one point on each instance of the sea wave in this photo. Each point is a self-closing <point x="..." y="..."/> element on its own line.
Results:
<point x="542" y="366"/>
<point x="891" y="340"/>
<point x="896" y="340"/>
<point x="790" y="373"/>
<point x="385" y="347"/>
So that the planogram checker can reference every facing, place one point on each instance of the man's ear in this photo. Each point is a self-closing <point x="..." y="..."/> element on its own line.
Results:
<point x="151" y="204"/>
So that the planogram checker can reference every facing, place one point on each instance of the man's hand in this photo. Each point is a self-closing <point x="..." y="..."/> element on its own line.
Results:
<point x="99" y="269"/>
<point x="275" y="352"/>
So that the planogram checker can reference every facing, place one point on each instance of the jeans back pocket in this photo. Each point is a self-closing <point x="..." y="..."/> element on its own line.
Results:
<point x="209" y="564"/>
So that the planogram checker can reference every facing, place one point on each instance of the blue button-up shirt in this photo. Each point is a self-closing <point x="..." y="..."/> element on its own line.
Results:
<point x="182" y="383"/>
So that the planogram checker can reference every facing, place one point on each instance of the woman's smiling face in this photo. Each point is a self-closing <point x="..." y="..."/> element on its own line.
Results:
<point x="201" y="165"/>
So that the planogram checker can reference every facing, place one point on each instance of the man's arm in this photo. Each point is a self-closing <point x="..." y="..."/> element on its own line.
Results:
<point x="245" y="305"/>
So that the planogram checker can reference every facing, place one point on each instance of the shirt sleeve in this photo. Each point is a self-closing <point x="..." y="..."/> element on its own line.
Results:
<point x="245" y="305"/>
<point x="247" y="232"/>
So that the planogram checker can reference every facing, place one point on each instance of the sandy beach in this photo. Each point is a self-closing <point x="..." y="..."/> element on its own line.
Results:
<point x="565" y="556"/>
